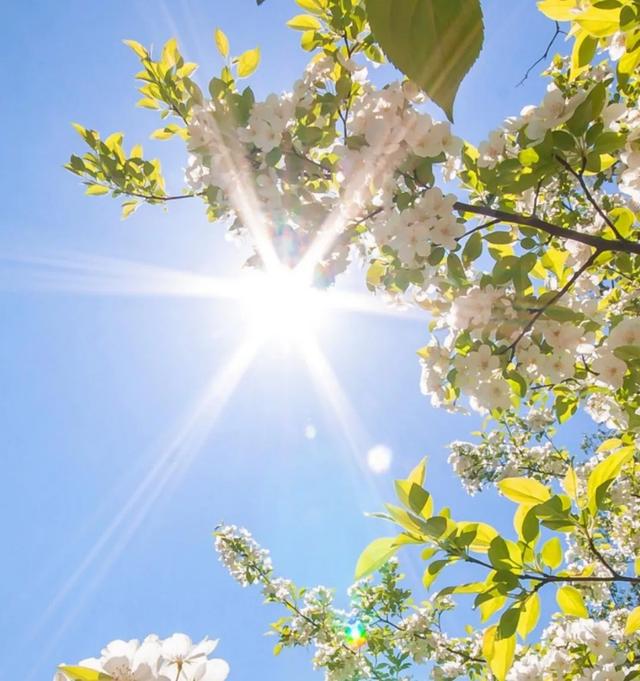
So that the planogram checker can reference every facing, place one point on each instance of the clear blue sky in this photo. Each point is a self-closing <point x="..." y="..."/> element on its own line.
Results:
<point x="95" y="387"/>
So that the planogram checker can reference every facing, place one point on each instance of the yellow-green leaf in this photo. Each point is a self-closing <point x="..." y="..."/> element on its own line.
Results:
<point x="84" y="674"/>
<point x="571" y="602"/>
<point x="418" y="474"/>
<point x="551" y="553"/>
<point x="304" y="22"/>
<point x="599" y="22"/>
<point x="434" y="43"/>
<point x="498" y="652"/>
<point x="529" y="615"/>
<point x="128" y="208"/>
<point x="315" y="6"/>
<point x="490" y="607"/>
<point x="137" y="48"/>
<point x="96" y="190"/>
<point x="584" y="49"/>
<point x="633" y="622"/>
<point x="524" y="490"/>
<point x="570" y="483"/>
<point x="222" y="42"/>
<point x="558" y="10"/>
<point x="604" y="473"/>
<point x="375" y="555"/>
<point x="248" y="62"/>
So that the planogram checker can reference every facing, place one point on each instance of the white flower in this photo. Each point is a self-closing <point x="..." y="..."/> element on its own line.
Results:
<point x="446" y="231"/>
<point x="627" y="332"/>
<point x="481" y="362"/>
<point x="128" y="660"/>
<point x="557" y="366"/>
<point x="493" y="394"/>
<point x="492" y="151"/>
<point x="617" y="45"/>
<point x="610" y="370"/>
<point x="472" y="309"/>
<point x="180" y="654"/>
<point x="553" y="111"/>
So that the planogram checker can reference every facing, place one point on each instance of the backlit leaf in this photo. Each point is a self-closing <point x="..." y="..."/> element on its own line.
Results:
<point x="571" y="602"/>
<point x="433" y="42"/>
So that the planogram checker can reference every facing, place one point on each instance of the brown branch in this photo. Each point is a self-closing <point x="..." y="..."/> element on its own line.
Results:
<point x="597" y="242"/>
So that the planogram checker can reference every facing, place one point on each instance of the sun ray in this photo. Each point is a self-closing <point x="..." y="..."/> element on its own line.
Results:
<point x="232" y="164"/>
<point x="80" y="273"/>
<point x="353" y="430"/>
<point x="348" y="208"/>
<point x="333" y="395"/>
<point x="172" y="463"/>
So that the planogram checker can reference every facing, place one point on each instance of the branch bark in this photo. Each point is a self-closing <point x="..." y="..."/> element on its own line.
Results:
<point x="599" y="243"/>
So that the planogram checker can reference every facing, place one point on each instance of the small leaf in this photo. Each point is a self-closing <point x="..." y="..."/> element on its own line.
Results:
<point x="96" y="190"/>
<point x="633" y="622"/>
<point x="137" y="48"/>
<point x="524" y="490"/>
<point x="433" y="42"/>
<point x="248" y="62"/>
<point x="603" y="475"/>
<point x="304" y="22"/>
<point x="529" y="616"/>
<point x="418" y="474"/>
<point x="571" y="602"/>
<point x="551" y="553"/>
<point x="222" y="42"/>
<point x="84" y="674"/>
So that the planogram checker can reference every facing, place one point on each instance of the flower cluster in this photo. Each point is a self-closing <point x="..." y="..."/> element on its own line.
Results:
<point x="579" y="649"/>
<point x="175" y="658"/>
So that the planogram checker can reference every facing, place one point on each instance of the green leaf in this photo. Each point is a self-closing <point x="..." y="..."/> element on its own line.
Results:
<point x="222" y="42"/>
<point x="375" y="555"/>
<point x="633" y="622"/>
<point x="304" y="22"/>
<point x="498" y="652"/>
<point x="96" y="190"/>
<point x="551" y="553"/>
<point x="571" y="602"/>
<point x="524" y="490"/>
<point x="529" y="615"/>
<point x="419" y="473"/>
<point x="137" y="48"/>
<point x="248" y="62"/>
<point x="584" y="50"/>
<point x="433" y="42"/>
<point x="472" y="249"/>
<point x="84" y="674"/>
<point x="603" y="475"/>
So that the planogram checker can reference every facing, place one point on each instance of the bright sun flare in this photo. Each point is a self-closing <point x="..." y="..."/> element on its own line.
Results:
<point x="283" y="305"/>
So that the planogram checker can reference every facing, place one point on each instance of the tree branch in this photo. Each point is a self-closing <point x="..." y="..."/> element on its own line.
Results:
<point x="597" y="242"/>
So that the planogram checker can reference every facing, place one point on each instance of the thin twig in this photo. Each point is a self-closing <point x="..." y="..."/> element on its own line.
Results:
<point x="554" y="299"/>
<point x="580" y="177"/>
<point x="558" y="31"/>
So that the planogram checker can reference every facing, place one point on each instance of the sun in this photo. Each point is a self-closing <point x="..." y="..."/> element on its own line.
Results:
<point x="282" y="305"/>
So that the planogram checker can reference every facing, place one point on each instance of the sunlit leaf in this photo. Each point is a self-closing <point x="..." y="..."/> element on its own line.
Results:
<point x="433" y="42"/>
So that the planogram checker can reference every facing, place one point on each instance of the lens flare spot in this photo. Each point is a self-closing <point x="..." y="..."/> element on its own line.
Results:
<point x="355" y="634"/>
<point x="379" y="459"/>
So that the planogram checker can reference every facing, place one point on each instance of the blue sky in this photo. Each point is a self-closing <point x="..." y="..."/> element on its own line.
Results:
<point x="96" y="387"/>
